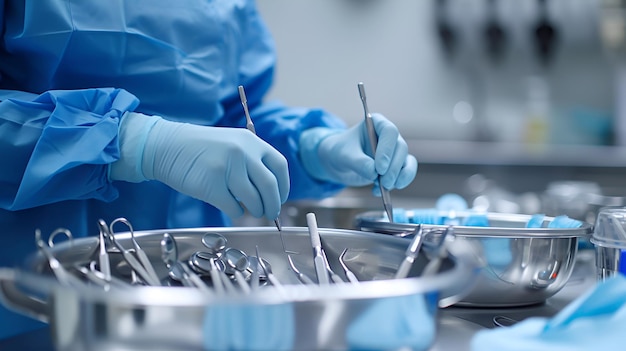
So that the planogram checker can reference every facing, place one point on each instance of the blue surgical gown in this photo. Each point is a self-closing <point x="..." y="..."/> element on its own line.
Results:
<point x="70" y="69"/>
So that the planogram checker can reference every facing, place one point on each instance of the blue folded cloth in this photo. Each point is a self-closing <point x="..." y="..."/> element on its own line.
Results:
<point x="393" y="323"/>
<point x="594" y="321"/>
<point x="476" y="220"/>
<point x="564" y="221"/>
<point x="536" y="221"/>
<point x="249" y="327"/>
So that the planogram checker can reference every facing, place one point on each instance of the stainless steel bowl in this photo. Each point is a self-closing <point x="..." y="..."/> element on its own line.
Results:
<point x="378" y="313"/>
<point x="519" y="266"/>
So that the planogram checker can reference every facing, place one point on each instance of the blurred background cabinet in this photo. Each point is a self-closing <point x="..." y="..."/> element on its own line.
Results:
<point x="521" y="93"/>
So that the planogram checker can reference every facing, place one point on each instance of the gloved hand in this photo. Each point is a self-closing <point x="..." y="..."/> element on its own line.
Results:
<point x="344" y="156"/>
<point x="221" y="166"/>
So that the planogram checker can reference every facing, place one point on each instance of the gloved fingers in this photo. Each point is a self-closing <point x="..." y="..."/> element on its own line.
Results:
<point x="388" y="138"/>
<point x="277" y="164"/>
<point x="345" y="161"/>
<point x="267" y="188"/>
<point x="243" y="188"/>
<point x="405" y="176"/>
<point x="407" y="173"/>
<point x="360" y="164"/>
<point x="398" y="159"/>
<point x="228" y="203"/>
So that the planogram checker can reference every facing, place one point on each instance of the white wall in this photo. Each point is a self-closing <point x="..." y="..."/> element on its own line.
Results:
<point x="325" y="47"/>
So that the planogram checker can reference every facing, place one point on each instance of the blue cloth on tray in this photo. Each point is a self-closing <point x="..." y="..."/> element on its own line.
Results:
<point x="594" y="321"/>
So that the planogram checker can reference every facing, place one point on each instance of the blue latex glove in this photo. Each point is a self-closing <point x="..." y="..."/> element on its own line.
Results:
<point x="344" y="156"/>
<point x="594" y="321"/>
<point x="221" y="166"/>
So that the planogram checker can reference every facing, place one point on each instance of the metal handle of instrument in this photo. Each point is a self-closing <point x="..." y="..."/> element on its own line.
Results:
<point x="13" y="298"/>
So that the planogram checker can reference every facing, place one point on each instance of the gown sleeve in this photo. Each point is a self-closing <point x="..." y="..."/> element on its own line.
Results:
<point x="57" y="145"/>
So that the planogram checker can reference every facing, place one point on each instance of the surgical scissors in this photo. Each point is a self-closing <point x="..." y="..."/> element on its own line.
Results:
<point x="143" y="268"/>
<point x="62" y="275"/>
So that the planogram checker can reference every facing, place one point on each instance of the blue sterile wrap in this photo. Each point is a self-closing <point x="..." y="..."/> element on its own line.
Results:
<point x="394" y="323"/>
<point x="249" y="327"/>
<point x="594" y="321"/>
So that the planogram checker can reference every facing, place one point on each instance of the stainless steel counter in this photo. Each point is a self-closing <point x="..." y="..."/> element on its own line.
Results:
<point x="457" y="325"/>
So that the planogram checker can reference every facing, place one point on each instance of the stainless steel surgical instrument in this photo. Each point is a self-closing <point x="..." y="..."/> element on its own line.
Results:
<point x="411" y="253"/>
<point x="373" y="139"/>
<point x="62" y="275"/>
<point x="250" y="127"/>
<point x="141" y="254"/>
<point x="319" y="258"/>
<point x="303" y="278"/>
<point x="134" y="264"/>
<point x="103" y="257"/>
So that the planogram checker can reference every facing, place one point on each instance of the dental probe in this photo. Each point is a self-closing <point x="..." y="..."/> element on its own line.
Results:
<point x="373" y="138"/>
<point x="250" y="127"/>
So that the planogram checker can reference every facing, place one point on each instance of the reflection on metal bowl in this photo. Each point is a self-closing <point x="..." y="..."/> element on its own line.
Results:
<point x="519" y="266"/>
<point x="339" y="211"/>
<point x="305" y="317"/>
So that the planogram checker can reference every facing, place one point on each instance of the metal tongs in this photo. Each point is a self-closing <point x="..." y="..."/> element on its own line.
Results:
<point x="373" y="139"/>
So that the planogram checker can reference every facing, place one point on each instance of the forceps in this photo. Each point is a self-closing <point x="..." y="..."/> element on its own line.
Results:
<point x="98" y="277"/>
<point x="250" y="127"/>
<point x="373" y="139"/>
<point x="103" y="256"/>
<point x="411" y="252"/>
<point x="143" y="267"/>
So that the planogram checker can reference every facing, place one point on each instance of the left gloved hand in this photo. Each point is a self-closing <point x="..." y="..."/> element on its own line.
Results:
<point x="344" y="156"/>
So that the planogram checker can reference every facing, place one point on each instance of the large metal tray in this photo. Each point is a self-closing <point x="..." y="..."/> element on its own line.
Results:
<point x="378" y="313"/>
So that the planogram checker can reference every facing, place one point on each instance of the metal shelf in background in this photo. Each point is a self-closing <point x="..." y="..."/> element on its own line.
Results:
<point x="516" y="154"/>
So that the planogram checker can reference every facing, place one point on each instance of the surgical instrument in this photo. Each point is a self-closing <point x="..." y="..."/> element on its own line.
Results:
<point x="134" y="264"/>
<point x="319" y="258"/>
<point x="303" y="278"/>
<point x="268" y="273"/>
<point x="103" y="258"/>
<point x="373" y="139"/>
<point x="62" y="275"/>
<point x="141" y="254"/>
<point x="411" y="253"/>
<point x="179" y="270"/>
<point x="250" y="127"/>
<point x="349" y="274"/>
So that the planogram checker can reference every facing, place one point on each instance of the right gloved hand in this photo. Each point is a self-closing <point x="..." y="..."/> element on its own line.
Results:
<point x="221" y="166"/>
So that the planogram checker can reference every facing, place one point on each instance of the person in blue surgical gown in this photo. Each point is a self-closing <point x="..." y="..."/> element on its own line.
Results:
<point x="130" y="109"/>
